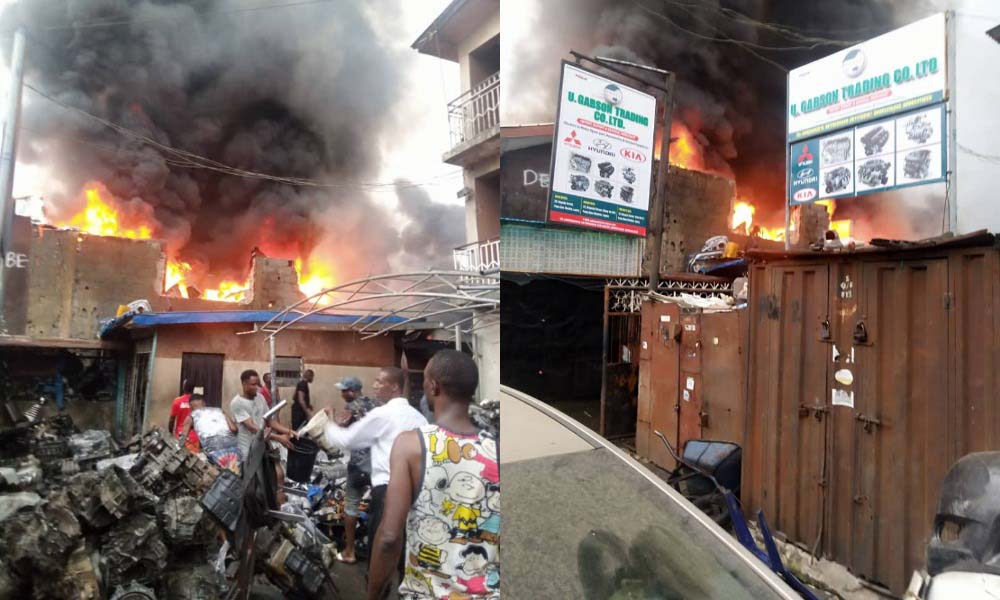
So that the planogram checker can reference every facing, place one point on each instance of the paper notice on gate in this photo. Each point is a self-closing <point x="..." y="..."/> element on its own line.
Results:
<point x="843" y="398"/>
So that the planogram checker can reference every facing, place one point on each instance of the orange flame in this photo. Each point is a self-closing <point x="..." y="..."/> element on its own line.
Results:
<point x="742" y="222"/>
<point x="315" y="277"/>
<point x="101" y="218"/>
<point x="176" y="274"/>
<point x="228" y="291"/>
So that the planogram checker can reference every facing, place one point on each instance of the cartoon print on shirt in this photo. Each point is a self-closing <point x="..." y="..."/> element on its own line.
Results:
<point x="413" y="579"/>
<point x="472" y="572"/>
<point x="450" y="450"/>
<point x="464" y="495"/>
<point x="435" y="482"/>
<point x="432" y="533"/>
<point x="489" y="529"/>
<point x="493" y="578"/>
<point x="488" y="458"/>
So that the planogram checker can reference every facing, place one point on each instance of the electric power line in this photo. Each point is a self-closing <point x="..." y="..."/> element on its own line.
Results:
<point x="187" y="159"/>
<point x="994" y="158"/>
<point x="748" y="46"/>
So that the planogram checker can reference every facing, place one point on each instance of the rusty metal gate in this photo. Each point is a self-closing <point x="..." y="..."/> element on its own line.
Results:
<point x="692" y="378"/>
<point x="868" y="377"/>
<point x="623" y="300"/>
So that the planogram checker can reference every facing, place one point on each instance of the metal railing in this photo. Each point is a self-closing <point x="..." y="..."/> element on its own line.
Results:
<point x="476" y="112"/>
<point x="478" y="257"/>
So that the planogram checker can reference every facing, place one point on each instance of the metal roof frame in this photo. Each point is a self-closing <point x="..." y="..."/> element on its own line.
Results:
<point x="378" y="302"/>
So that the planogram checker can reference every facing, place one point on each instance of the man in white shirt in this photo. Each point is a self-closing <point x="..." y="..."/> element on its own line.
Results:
<point x="378" y="430"/>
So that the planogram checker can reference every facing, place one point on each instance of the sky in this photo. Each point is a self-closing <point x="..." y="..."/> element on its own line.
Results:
<point x="414" y="154"/>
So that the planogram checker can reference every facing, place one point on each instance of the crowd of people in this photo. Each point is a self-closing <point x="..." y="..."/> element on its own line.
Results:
<point x="434" y="516"/>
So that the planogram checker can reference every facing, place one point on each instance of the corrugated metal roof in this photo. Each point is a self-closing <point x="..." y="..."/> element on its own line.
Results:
<point x="882" y="246"/>
<point x="131" y="319"/>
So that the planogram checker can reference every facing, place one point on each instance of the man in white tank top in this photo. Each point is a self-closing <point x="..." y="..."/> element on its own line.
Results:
<point x="444" y="494"/>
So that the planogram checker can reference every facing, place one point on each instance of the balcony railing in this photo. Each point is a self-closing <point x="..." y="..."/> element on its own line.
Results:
<point x="476" y="112"/>
<point x="478" y="257"/>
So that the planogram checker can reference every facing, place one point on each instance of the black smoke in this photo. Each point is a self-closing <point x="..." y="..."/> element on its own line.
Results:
<point x="429" y="236"/>
<point x="730" y="99"/>
<point x="302" y="91"/>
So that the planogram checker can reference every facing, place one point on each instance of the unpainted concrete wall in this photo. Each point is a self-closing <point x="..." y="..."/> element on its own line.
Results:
<point x="332" y="355"/>
<point x="76" y="280"/>
<point x="698" y="207"/>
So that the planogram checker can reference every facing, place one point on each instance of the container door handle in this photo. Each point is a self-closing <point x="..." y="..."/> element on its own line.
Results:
<point x="860" y="333"/>
<point x="824" y="330"/>
<point x="870" y="422"/>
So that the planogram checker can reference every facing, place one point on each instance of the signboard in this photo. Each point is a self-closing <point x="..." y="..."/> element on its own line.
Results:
<point x="893" y="73"/>
<point x="901" y="151"/>
<point x="602" y="155"/>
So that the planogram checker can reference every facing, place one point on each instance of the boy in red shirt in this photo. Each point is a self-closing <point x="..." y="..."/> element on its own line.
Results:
<point x="179" y="412"/>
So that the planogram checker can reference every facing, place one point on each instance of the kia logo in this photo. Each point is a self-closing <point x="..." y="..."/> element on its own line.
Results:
<point x="633" y="155"/>
<point x="803" y="173"/>
<point x="806" y="194"/>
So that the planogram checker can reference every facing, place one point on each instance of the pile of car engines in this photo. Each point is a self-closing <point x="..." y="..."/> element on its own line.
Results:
<point x="81" y="517"/>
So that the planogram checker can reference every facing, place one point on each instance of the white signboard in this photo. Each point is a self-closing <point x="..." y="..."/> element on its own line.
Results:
<point x="900" y="151"/>
<point x="895" y="72"/>
<point x="602" y="156"/>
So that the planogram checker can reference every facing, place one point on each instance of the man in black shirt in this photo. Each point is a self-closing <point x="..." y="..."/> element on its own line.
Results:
<point x="302" y="457"/>
<point x="302" y="409"/>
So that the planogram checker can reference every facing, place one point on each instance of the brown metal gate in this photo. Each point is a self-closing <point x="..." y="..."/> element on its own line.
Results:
<point x="692" y="378"/>
<point x="869" y="376"/>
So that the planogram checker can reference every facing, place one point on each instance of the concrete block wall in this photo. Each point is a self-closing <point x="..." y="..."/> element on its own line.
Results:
<point x="76" y="280"/>
<point x="699" y="206"/>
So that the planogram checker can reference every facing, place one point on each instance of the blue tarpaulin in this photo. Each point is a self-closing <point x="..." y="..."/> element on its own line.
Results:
<point x="134" y="319"/>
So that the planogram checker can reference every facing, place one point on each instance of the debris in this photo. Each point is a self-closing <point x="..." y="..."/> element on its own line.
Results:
<point x="11" y="503"/>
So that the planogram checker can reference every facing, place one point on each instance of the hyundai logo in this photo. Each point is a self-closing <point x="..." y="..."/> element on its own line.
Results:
<point x="803" y="173"/>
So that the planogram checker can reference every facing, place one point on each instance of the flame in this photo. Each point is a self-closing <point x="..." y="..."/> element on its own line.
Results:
<point x="228" y="291"/>
<point x="101" y="218"/>
<point x="742" y="222"/>
<point x="176" y="275"/>
<point x="685" y="151"/>
<point x="315" y="277"/>
<point x="743" y="215"/>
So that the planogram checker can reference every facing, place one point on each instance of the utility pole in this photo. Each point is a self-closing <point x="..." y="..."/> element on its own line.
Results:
<point x="659" y="207"/>
<point x="8" y="155"/>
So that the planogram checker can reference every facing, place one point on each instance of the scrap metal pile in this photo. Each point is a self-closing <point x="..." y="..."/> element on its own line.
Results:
<point x="82" y="517"/>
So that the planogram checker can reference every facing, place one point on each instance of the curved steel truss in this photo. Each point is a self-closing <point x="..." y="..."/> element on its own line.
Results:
<point x="400" y="301"/>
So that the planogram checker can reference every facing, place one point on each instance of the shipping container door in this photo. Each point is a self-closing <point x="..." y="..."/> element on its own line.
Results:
<point x="845" y="290"/>
<point x="723" y="374"/>
<point x="902" y="421"/>
<point x="664" y="348"/>
<point x="792" y="402"/>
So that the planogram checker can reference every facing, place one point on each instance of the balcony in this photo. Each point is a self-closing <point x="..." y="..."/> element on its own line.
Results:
<point x="478" y="257"/>
<point x="474" y="123"/>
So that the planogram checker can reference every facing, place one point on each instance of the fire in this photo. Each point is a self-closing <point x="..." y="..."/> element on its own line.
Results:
<point x="743" y="215"/>
<point x="228" y="291"/>
<point x="684" y="150"/>
<point x="743" y="212"/>
<point x="177" y="275"/>
<point x="742" y="222"/>
<point x="101" y="218"/>
<point x="315" y="277"/>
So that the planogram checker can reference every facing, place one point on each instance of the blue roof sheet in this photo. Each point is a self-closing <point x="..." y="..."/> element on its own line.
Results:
<point x="224" y="316"/>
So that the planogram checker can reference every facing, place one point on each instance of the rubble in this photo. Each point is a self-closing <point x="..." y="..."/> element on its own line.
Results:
<point x="85" y="518"/>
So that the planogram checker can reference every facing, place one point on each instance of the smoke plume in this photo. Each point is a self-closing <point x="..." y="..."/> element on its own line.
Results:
<point x="304" y="91"/>
<point x="731" y="100"/>
<point x="429" y="236"/>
